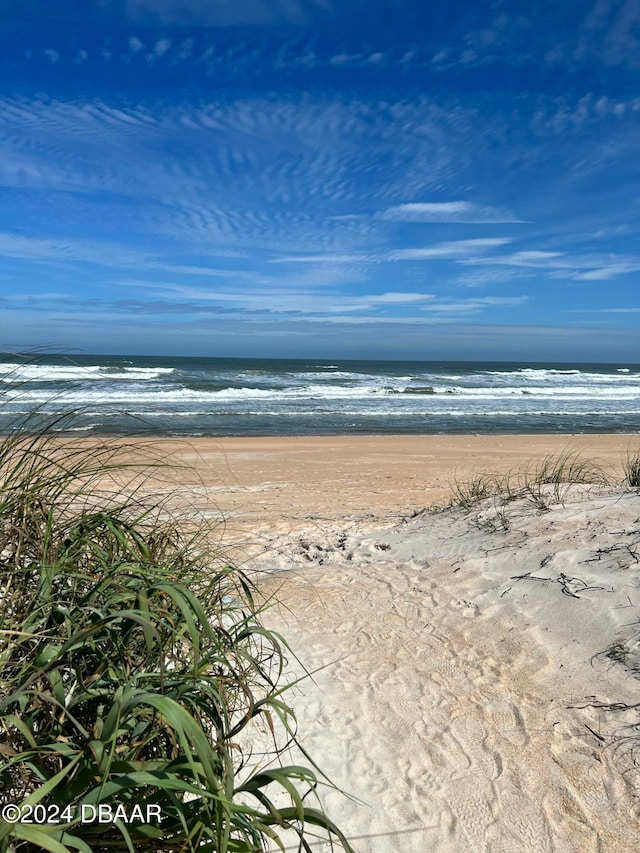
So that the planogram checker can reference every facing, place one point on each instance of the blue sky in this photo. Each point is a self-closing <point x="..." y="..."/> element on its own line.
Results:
<point x="320" y="178"/>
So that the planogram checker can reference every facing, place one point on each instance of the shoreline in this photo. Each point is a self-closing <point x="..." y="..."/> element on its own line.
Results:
<point x="149" y="436"/>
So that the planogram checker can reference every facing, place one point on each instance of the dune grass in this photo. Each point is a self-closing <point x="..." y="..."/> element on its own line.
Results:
<point x="467" y="493"/>
<point x="543" y="483"/>
<point x="134" y="665"/>
<point x="548" y="482"/>
<point x="632" y="470"/>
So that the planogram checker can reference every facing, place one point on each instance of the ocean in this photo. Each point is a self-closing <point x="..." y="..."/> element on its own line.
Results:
<point x="127" y="395"/>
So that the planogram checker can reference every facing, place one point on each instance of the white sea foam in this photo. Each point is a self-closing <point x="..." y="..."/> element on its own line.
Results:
<point x="124" y="393"/>
<point x="39" y="372"/>
<point x="536" y="371"/>
<point x="557" y="392"/>
<point x="530" y="374"/>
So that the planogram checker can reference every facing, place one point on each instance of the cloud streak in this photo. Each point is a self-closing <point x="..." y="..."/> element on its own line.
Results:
<point x="577" y="267"/>
<point x="452" y="250"/>
<point x="449" y="211"/>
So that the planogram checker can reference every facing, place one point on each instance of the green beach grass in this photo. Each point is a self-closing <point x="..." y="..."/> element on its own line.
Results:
<point x="632" y="470"/>
<point x="543" y="483"/>
<point x="133" y="666"/>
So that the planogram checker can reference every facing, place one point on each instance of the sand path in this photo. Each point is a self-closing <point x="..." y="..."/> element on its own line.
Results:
<point x="454" y="705"/>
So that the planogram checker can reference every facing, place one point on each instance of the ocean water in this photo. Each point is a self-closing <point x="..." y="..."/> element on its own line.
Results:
<point x="215" y="396"/>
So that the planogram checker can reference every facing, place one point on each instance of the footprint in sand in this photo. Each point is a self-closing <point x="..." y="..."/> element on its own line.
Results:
<point x="467" y="608"/>
<point x="470" y="734"/>
<point x="446" y="668"/>
<point x="471" y="805"/>
<point x="459" y="770"/>
<point x="451" y="675"/>
<point x="508" y="721"/>
<point x="583" y="777"/>
<point x="521" y="825"/>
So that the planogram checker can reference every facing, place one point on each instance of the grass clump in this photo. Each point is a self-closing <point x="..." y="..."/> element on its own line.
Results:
<point x="550" y="480"/>
<point x="468" y="493"/>
<point x="542" y="484"/>
<point x="570" y="468"/>
<point x="632" y="471"/>
<point x="133" y="665"/>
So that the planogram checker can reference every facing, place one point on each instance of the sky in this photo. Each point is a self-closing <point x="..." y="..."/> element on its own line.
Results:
<point x="321" y="178"/>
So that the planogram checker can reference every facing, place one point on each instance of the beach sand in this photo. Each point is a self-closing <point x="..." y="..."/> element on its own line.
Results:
<point x="465" y="657"/>
<point x="266" y="481"/>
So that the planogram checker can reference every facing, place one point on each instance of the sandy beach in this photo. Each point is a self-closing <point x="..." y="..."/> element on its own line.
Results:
<point x="466" y="657"/>
<point x="258" y="483"/>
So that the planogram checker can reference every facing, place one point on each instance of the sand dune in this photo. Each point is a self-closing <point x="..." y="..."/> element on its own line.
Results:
<point x="469" y="653"/>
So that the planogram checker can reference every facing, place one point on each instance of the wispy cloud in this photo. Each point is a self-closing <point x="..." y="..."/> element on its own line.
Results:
<point x="605" y="273"/>
<point x="59" y="249"/>
<point x="306" y="308"/>
<point x="399" y="298"/>
<point x="284" y="170"/>
<point x="303" y="303"/>
<point x="565" y="35"/>
<point x="481" y="277"/>
<point x="135" y="45"/>
<point x="448" y="211"/>
<point x="311" y="305"/>
<point x="533" y="258"/>
<point x="631" y="310"/>
<point x="453" y="249"/>
<point x="565" y="265"/>
<point x="319" y="259"/>
<point x="161" y="47"/>
<point x="106" y="254"/>
<point x="611" y="31"/>
<point x="473" y="306"/>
